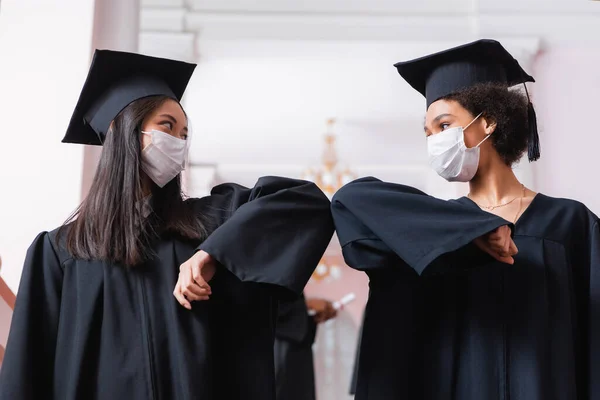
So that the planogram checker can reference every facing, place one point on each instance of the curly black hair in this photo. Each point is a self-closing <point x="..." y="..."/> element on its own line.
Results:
<point x="507" y="108"/>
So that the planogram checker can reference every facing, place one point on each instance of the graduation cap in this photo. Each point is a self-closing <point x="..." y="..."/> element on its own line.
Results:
<point x="115" y="80"/>
<point x="483" y="61"/>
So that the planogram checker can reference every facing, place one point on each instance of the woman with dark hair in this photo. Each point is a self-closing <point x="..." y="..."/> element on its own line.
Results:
<point x="95" y="316"/>
<point x="492" y="296"/>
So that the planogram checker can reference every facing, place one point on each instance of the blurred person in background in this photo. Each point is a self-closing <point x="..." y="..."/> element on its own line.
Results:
<point x="294" y="337"/>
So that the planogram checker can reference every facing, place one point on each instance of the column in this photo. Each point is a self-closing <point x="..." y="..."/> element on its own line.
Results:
<point x="116" y="27"/>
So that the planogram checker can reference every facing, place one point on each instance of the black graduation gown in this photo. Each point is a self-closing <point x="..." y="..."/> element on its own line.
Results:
<point x="92" y="330"/>
<point x="446" y="321"/>
<point x="294" y="364"/>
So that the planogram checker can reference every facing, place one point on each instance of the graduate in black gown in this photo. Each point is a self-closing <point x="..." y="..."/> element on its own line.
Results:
<point x="294" y="337"/>
<point x="96" y="316"/>
<point x="492" y="296"/>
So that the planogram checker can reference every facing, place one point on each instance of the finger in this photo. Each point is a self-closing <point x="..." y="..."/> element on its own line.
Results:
<point x="495" y="253"/>
<point x="500" y="231"/>
<point x="506" y="240"/>
<point x="499" y="238"/>
<point x="502" y="252"/>
<point x="198" y="278"/>
<point x="201" y="283"/>
<point x="180" y="298"/>
<point x="497" y="247"/>
<point x="495" y="235"/>
<point x="513" y="248"/>
<point x="196" y="290"/>
<point x="505" y="260"/>
<point x="195" y="294"/>
<point x="196" y="272"/>
<point x="500" y="246"/>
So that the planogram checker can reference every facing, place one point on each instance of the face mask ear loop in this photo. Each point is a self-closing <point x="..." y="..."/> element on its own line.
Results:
<point x="471" y="123"/>
<point x="486" y="138"/>
<point x="149" y="134"/>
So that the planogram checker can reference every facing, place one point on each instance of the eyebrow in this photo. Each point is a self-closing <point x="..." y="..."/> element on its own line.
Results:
<point x="438" y="118"/>
<point x="172" y="118"/>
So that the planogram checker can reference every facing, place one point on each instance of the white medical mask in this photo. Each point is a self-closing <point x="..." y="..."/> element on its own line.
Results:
<point x="164" y="158"/>
<point x="450" y="157"/>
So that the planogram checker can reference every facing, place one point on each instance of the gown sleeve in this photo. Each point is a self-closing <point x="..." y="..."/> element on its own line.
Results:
<point x="274" y="233"/>
<point x="29" y="358"/>
<point x="377" y="222"/>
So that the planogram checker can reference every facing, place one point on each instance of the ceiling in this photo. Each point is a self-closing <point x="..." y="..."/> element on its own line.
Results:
<point x="271" y="72"/>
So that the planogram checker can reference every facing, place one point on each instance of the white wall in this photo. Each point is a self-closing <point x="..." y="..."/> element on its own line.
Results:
<point x="567" y="100"/>
<point x="255" y="100"/>
<point x="45" y="51"/>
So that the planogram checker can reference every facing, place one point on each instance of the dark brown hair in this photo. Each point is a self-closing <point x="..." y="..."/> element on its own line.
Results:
<point x="109" y="224"/>
<point x="507" y="108"/>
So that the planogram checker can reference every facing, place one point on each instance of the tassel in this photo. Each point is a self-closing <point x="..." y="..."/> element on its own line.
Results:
<point x="533" y="148"/>
<point x="533" y="143"/>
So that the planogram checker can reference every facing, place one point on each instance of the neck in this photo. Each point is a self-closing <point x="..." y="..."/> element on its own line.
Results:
<point x="494" y="183"/>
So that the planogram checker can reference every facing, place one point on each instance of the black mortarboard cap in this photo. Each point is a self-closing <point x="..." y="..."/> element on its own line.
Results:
<point x="116" y="79"/>
<point x="483" y="61"/>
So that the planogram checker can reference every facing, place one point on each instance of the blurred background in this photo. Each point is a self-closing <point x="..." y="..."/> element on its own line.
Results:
<point x="300" y="88"/>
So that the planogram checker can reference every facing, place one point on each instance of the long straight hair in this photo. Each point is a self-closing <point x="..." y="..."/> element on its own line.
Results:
<point x="109" y="224"/>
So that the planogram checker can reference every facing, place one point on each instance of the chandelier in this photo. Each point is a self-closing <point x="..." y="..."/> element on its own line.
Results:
<point x="329" y="178"/>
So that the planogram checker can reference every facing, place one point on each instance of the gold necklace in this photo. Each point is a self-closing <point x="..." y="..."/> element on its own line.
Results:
<point x="493" y="207"/>
<point x="520" y="206"/>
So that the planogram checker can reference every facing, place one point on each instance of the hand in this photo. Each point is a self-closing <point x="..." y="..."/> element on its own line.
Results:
<point x="324" y="309"/>
<point x="498" y="244"/>
<point x="194" y="275"/>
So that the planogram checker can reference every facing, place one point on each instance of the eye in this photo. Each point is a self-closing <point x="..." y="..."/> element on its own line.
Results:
<point x="167" y="124"/>
<point x="184" y="136"/>
<point x="444" y="126"/>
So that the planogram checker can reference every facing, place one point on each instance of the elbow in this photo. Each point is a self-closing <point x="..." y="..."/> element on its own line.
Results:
<point x="352" y="189"/>
<point x="321" y="199"/>
<point x="317" y="197"/>
<point x="344" y="193"/>
<point x="278" y="183"/>
<point x="303" y="192"/>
